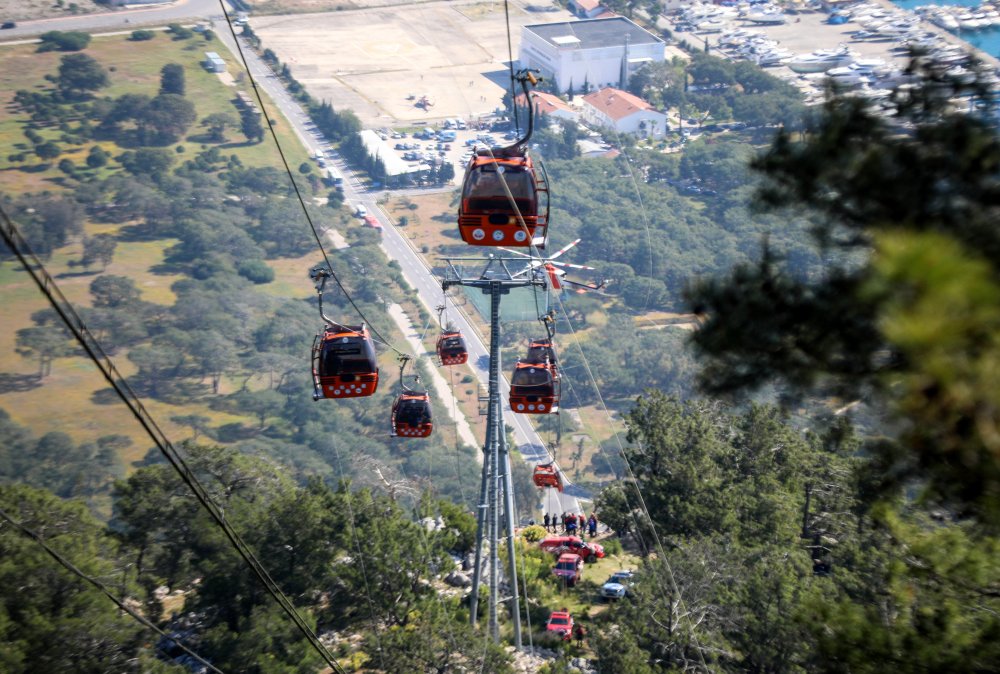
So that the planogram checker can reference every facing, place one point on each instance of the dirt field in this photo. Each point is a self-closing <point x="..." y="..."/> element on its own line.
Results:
<point x="371" y="59"/>
<point x="23" y="10"/>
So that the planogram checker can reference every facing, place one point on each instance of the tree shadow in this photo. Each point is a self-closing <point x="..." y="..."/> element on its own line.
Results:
<point x="78" y="274"/>
<point x="204" y="139"/>
<point x="105" y="396"/>
<point x="137" y="232"/>
<point x="168" y="268"/>
<point x="18" y="383"/>
<point x="234" y="432"/>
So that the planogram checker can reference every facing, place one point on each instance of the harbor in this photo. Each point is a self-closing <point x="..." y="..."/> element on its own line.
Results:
<point x="863" y="48"/>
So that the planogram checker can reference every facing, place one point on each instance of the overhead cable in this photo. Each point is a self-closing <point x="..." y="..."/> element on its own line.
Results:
<point x="47" y="285"/>
<point x="72" y="568"/>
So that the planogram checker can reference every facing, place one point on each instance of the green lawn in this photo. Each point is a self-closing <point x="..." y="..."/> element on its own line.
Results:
<point x="65" y="400"/>
<point x="134" y="68"/>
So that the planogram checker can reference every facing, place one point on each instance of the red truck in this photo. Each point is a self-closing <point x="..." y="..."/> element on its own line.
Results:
<point x="568" y="568"/>
<point x="588" y="552"/>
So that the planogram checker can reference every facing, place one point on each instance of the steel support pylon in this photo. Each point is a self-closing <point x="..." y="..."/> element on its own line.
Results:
<point x="495" y="508"/>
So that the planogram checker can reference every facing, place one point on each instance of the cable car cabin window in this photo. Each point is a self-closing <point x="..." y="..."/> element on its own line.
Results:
<point x="539" y="352"/>
<point x="531" y="376"/>
<point x="485" y="190"/>
<point x="353" y="356"/>
<point x="413" y="412"/>
<point x="453" y="344"/>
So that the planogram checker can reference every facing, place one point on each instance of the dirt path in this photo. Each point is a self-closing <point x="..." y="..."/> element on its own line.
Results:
<point x="438" y="382"/>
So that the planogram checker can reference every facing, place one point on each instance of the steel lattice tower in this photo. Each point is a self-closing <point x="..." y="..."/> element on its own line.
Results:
<point x="496" y="500"/>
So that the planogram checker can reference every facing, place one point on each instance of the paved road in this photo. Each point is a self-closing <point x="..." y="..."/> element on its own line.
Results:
<point x="414" y="268"/>
<point x="120" y="19"/>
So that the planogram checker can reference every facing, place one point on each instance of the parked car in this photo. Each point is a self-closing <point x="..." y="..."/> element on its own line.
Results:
<point x="617" y="586"/>
<point x="588" y="552"/>
<point x="568" y="568"/>
<point x="560" y="622"/>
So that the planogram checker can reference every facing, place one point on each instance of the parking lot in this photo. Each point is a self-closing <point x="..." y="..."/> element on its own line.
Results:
<point x="423" y="148"/>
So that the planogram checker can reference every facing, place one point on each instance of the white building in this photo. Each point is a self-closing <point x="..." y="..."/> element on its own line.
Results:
<point x="596" y="52"/>
<point x="553" y="106"/>
<point x="621" y="111"/>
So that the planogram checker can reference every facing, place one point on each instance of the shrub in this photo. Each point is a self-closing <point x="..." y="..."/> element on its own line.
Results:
<point x="612" y="546"/>
<point x="534" y="533"/>
<point x="57" y="40"/>
<point x="255" y="271"/>
<point x="141" y="35"/>
<point x="48" y="150"/>
<point x="97" y="157"/>
<point x="179" y="31"/>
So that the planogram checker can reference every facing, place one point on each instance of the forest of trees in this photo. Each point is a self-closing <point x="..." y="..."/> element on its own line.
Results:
<point x="225" y="221"/>
<point x="772" y="538"/>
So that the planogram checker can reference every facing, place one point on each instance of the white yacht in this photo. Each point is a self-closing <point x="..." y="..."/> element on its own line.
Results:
<point x="771" y="18"/>
<point x="821" y="60"/>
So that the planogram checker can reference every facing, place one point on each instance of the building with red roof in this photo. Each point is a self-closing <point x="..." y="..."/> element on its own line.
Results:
<point x="551" y="105"/>
<point x="623" y="112"/>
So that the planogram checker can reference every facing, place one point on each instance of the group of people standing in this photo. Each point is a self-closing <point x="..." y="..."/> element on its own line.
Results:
<point x="571" y="523"/>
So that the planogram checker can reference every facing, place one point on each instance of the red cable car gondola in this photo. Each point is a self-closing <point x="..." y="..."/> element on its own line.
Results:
<point x="534" y="388"/>
<point x="547" y="475"/>
<point x="343" y="356"/>
<point x="505" y="197"/>
<point x="411" y="415"/>
<point x="411" y="412"/>
<point x="451" y="348"/>
<point x="344" y="364"/>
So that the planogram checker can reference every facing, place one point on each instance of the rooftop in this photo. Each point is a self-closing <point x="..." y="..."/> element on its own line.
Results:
<point x="615" y="103"/>
<point x="592" y="33"/>
<point x="547" y="103"/>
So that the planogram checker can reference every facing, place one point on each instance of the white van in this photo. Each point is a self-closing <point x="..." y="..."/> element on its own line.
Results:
<point x="360" y="211"/>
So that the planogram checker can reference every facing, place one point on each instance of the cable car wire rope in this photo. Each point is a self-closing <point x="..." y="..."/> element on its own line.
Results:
<point x="427" y="554"/>
<point x="645" y="224"/>
<point x="47" y="285"/>
<point x="593" y="381"/>
<point x="510" y="66"/>
<point x="628" y="465"/>
<point x="361" y="558"/>
<point x="295" y="187"/>
<point x="72" y="568"/>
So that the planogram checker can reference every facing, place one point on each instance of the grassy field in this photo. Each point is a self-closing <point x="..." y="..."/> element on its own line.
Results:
<point x="132" y="70"/>
<point x="68" y="399"/>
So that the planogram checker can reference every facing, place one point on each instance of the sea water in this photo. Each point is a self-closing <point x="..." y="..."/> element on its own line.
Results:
<point x="987" y="40"/>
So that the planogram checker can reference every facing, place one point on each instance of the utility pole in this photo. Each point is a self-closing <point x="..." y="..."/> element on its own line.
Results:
<point x="496" y="498"/>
